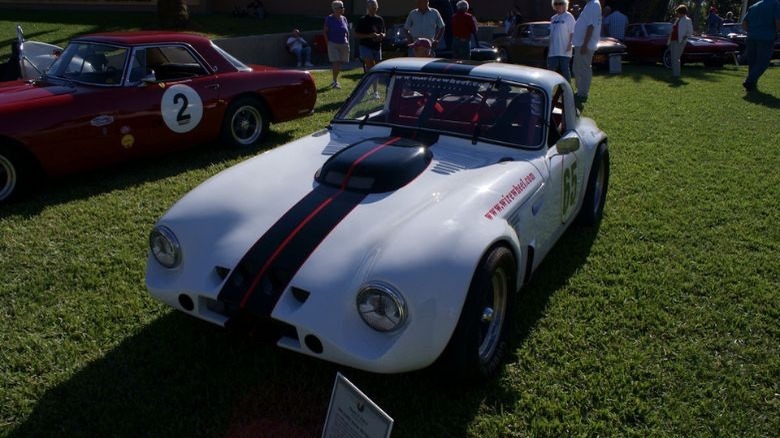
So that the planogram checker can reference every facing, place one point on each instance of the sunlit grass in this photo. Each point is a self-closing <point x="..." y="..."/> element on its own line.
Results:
<point x="663" y="322"/>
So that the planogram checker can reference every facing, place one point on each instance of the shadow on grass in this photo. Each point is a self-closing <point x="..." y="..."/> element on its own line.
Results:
<point x="640" y="72"/>
<point x="183" y="377"/>
<point x="179" y="376"/>
<point x="62" y="190"/>
<point x="760" y="98"/>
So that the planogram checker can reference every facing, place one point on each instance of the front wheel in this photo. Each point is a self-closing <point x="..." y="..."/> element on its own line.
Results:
<point x="14" y="174"/>
<point x="478" y="344"/>
<point x="246" y="123"/>
<point x="504" y="55"/>
<point x="596" y="195"/>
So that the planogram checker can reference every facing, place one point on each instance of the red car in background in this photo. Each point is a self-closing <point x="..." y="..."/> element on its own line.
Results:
<point x="646" y="42"/>
<point x="112" y="97"/>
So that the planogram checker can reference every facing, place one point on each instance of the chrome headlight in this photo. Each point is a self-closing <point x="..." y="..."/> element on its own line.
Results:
<point x="165" y="247"/>
<point x="381" y="307"/>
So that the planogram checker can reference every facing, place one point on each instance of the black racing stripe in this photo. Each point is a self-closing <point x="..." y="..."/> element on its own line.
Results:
<point x="448" y="67"/>
<point x="262" y="275"/>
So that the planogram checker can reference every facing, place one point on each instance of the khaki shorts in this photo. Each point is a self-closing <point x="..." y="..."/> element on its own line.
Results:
<point x="338" y="52"/>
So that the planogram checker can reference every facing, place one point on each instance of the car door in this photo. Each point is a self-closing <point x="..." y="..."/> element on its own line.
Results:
<point x="525" y="47"/>
<point x="565" y="172"/>
<point x="170" y="100"/>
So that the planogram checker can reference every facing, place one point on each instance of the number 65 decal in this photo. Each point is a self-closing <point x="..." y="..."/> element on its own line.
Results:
<point x="182" y="108"/>
<point x="569" y="190"/>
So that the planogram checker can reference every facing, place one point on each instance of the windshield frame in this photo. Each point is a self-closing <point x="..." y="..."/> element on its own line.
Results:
<point x="385" y="112"/>
<point x="58" y="69"/>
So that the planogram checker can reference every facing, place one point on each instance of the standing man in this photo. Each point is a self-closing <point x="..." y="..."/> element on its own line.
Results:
<point x="561" y="30"/>
<point x="615" y="23"/>
<point x="678" y="39"/>
<point x="337" y="35"/>
<point x="761" y="22"/>
<point x="370" y="31"/>
<point x="463" y="30"/>
<point x="424" y="22"/>
<point x="586" y="37"/>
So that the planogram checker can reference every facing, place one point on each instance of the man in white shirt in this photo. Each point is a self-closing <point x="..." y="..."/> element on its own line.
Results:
<point x="300" y="48"/>
<point x="424" y="22"/>
<point x="587" y="30"/>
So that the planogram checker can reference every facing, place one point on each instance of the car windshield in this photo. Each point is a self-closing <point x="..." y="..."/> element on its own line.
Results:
<point x="732" y="28"/>
<point x="658" y="29"/>
<point x="483" y="110"/>
<point x="541" y="30"/>
<point x="90" y="63"/>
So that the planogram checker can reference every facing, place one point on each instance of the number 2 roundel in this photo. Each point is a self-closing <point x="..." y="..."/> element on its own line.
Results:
<point x="182" y="108"/>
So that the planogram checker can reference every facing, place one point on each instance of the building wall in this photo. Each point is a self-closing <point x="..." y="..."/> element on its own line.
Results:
<point x="485" y="10"/>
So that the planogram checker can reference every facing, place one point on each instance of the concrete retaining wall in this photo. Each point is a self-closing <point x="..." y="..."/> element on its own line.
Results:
<point x="270" y="49"/>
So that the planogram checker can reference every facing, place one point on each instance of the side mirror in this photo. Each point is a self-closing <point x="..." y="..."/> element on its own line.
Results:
<point x="149" y="78"/>
<point x="568" y="144"/>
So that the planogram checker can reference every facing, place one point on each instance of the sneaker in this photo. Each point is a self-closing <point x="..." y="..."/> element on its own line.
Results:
<point x="376" y="95"/>
<point x="336" y="85"/>
<point x="749" y="87"/>
<point x="309" y="64"/>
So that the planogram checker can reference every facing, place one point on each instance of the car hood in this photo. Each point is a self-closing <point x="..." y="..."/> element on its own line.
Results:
<point x="362" y="230"/>
<point x="25" y="91"/>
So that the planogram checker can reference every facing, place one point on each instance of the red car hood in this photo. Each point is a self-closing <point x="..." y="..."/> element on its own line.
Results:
<point x="24" y="91"/>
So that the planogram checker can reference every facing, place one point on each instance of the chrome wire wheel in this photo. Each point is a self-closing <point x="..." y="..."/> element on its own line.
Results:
<point x="8" y="178"/>
<point x="493" y="315"/>
<point x="246" y="125"/>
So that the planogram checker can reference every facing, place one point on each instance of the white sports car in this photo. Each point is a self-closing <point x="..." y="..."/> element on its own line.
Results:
<point x="401" y="234"/>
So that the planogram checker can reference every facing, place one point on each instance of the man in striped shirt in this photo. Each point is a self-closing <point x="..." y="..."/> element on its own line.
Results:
<point x="615" y="23"/>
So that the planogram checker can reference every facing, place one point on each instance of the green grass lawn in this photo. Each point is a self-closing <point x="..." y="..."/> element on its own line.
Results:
<point x="663" y="322"/>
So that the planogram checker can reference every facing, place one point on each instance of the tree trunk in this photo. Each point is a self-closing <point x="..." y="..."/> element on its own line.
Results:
<point x="173" y="13"/>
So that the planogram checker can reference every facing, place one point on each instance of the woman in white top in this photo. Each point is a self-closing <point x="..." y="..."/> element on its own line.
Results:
<point x="681" y="30"/>
<point x="561" y="30"/>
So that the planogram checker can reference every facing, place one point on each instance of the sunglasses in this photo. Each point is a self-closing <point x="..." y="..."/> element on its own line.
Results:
<point x="558" y="4"/>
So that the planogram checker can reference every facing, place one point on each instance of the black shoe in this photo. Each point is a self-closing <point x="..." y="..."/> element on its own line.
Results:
<point x="749" y="87"/>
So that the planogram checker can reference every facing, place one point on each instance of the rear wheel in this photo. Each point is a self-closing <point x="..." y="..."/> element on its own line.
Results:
<point x="246" y="123"/>
<point x="478" y="343"/>
<point x="596" y="195"/>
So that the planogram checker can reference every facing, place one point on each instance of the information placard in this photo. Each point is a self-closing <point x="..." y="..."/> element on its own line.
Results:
<point x="352" y="414"/>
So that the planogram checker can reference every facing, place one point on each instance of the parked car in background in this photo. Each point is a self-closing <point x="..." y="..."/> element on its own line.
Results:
<point x="734" y="33"/>
<point x="115" y="96"/>
<point x="647" y="42"/>
<point x="400" y="235"/>
<point x="529" y="42"/>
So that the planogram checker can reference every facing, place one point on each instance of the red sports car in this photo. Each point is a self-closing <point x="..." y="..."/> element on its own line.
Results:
<point x="646" y="42"/>
<point x="115" y="96"/>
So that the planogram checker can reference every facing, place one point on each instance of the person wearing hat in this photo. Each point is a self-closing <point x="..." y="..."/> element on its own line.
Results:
<point x="421" y="47"/>
<point x="424" y="22"/>
<point x="713" y="21"/>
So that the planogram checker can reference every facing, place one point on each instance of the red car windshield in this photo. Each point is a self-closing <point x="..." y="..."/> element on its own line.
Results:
<point x="90" y="63"/>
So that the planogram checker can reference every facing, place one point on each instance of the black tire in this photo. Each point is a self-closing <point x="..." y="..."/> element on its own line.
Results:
<point x="478" y="344"/>
<point x="592" y="208"/>
<point x="666" y="58"/>
<point x="15" y="175"/>
<point x="246" y="123"/>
